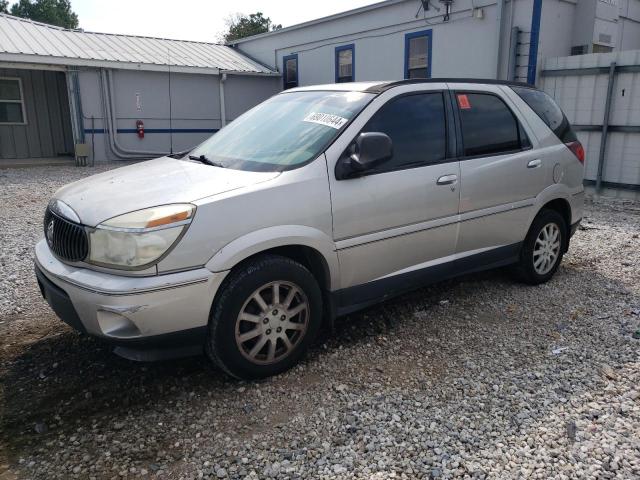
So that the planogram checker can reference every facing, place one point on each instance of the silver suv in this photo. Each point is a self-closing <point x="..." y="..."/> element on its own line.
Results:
<point x="318" y="202"/>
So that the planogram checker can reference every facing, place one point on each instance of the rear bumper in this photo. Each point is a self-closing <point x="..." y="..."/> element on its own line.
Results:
<point x="149" y="313"/>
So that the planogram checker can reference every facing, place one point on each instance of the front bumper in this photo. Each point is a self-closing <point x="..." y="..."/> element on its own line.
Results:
<point x="132" y="312"/>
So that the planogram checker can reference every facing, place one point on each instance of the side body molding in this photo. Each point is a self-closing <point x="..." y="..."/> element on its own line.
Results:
<point x="279" y="236"/>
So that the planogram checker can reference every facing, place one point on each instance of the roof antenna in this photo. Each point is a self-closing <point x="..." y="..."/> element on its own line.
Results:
<point x="170" y="106"/>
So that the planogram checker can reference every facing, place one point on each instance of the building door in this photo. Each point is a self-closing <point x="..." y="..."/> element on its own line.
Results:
<point x="35" y="120"/>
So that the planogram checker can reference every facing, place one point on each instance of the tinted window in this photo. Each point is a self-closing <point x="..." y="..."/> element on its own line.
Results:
<point x="548" y="111"/>
<point x="416" y="126"/>
<point x="488" y="126"/>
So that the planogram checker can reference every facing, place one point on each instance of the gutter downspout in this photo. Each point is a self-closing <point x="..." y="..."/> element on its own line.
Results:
<point x="223" y="109"/>
<point x="499" y="29"/>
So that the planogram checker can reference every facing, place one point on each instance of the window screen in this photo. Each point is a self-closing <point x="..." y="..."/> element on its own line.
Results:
<point x="344" y="64"/>
<point x="417" y="61"/>
<point x="290" y="71"/>
<point x="548" y="111"/>
<point x="488" y="126"/>
<point x="11" y="101"/>
<point x="417" y="127"/>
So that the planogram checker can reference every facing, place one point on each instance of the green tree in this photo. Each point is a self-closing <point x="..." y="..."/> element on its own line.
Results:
<point x="240" y="26"/>
<point x="4" y="4"/>
<point x="53" y="12"/>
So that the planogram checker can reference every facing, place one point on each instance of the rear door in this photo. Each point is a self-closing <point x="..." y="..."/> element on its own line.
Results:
<point x="501" y="171"/>
<point x="402" y="215"/>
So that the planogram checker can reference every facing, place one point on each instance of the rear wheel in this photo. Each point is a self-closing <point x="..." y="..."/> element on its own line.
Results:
<point x="267" y="314"/>
<point x="543" y="248"/>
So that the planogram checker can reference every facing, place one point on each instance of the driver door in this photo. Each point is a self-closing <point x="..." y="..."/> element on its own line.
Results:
<point x="393" y="222"/>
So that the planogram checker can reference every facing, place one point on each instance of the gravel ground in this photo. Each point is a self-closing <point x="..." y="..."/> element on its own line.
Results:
<point x="478" y="377"/>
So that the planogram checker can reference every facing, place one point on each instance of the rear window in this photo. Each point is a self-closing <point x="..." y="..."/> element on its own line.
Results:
<point x="548" y="111"/>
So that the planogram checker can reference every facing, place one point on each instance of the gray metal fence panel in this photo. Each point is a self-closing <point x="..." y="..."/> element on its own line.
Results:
<point x="580" y="85"/>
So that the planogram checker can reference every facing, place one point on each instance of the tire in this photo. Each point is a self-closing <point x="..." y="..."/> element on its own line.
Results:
<point x="530" y="268"/>
<point x="233" y="342"/>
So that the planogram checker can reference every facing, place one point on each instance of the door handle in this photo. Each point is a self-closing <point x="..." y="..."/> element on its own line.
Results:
<point x="447" y="179"/>
<point x="534" y="163"/>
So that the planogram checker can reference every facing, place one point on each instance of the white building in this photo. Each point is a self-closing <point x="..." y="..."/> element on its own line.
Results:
<point x="395" y="39"/>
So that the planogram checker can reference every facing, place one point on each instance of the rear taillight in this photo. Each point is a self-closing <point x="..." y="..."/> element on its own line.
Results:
<point x="577" y="149"/>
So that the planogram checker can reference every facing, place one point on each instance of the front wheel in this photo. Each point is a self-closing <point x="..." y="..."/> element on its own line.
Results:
<point x="264" y="319"/>
<point x="543" y="248"/>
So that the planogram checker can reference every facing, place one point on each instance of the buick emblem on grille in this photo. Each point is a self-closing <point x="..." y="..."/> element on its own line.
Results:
<point x="50" y="233"/>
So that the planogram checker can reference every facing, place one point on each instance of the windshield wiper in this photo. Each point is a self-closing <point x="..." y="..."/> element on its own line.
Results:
<point x="205" y="160"/>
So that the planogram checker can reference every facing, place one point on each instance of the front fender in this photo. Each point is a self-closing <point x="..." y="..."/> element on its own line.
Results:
<point x="279" y="236"/>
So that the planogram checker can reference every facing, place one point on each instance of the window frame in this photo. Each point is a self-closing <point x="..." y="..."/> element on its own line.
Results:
<point x="450" y="139"/>
<point x="285" y="59"/>
<point x="523" y="138"/>
<point x="343" y="48"/>
<point x="407" y="40"/>
<point x="21" y="102"/>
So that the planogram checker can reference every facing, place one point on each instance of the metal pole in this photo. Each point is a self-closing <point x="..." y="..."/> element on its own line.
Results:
<point x="499" y="29"/>
<point x="605" y="125"/>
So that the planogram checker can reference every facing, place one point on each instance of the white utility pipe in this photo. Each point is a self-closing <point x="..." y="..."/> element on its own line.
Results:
<point x="223" y="109"/>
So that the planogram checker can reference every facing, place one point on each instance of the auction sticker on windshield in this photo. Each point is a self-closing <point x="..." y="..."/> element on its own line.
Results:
<point x="326" y="119"/>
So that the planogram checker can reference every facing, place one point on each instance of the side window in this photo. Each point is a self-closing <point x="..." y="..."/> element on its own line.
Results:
<point x="290" y="71"/>
<point x="417" y="54"/>
<point x="548" y="111"/>
<point x="417" y="127"/>
<point x="11" y="101"/>
<point x="345" y="62"/>
<point x="489" y="127"/>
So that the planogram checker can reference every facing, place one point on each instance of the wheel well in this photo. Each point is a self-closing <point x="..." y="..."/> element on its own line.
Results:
<point x="307" y="256"/>
<point x="562" y="207"/>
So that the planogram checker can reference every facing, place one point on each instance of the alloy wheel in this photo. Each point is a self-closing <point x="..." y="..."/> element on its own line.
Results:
<point x="272" y="322"/>
<point x="546" y="249"/>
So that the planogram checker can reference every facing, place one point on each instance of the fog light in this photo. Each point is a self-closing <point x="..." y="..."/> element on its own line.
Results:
<point x="116" y="325"/>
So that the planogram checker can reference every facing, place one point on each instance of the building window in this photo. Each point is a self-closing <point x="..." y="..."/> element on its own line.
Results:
<point x="11" y="101"/>
<point x="345" y="63"/>
<point x="290" y="71"/>
<point x="417" y="54"/>
<point x="580" y="50"/>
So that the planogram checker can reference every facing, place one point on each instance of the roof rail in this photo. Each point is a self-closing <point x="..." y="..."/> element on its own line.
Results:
<point x="387" y="85"/>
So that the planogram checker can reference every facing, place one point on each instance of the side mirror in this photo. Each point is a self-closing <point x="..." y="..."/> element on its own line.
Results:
<point x="368" y="150"/>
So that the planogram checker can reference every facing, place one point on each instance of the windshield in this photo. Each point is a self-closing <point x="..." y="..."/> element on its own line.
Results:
<point x="283" y="132"/>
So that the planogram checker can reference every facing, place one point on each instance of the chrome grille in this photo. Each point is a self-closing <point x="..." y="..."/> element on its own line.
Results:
<point x="66" y="239"/>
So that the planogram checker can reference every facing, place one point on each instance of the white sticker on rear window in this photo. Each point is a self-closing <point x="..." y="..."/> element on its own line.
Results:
<point x="326" y="119"/>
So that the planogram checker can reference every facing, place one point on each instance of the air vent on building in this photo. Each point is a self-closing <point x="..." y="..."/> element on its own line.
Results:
<point x="579" y="50"/>
<point x="604" y="38"/>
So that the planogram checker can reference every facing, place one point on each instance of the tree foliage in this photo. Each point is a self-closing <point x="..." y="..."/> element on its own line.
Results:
<point x="4" y="6"/>
<point x="240" y="26"/>
<point x="53" y="12"/>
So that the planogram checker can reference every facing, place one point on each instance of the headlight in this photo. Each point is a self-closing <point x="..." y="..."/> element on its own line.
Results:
<point x="139" y="238"/>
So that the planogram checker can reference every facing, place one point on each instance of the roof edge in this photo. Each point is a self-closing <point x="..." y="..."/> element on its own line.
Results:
<point x="328" y="18"/>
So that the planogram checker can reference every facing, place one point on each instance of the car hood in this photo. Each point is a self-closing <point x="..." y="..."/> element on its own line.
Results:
<point x="148" y="184"/>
